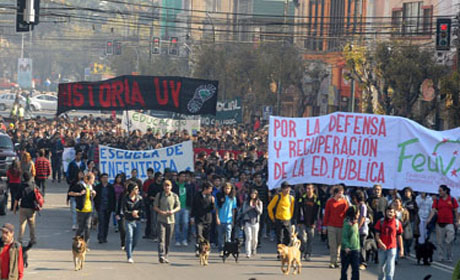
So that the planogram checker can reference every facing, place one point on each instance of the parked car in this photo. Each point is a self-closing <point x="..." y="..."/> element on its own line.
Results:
<point x="7" y="84"/>
<point x="7" y="153"/>
<point x="7" y="101"/>
<point x="3" y="198"/>
<point x="46" y="101"/>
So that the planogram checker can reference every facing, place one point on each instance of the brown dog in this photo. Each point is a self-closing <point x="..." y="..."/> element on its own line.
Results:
<point x="204" y="249"/>
<point x="291" y="256"/>
<point x="79" y="252"/>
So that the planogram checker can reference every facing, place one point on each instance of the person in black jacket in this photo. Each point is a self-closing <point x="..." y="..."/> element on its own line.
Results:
<point x="202" y="207"/>
<point x="104" y="202"/>
<point x="26" y="199"/>
<point x="131" y="209"/>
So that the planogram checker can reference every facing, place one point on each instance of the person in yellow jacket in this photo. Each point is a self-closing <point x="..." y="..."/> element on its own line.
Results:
<point x="281" y="210"/>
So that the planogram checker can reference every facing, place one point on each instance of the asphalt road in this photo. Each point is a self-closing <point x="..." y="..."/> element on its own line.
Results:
<point x="51" y="258"/>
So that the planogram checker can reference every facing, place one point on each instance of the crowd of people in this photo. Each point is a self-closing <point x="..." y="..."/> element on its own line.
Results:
<point x="225" y="198"/>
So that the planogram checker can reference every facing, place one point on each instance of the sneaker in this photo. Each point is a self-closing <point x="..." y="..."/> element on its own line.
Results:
<point x="254" y="252"/>
<point x="185" y="243"/>
<point x="362" y="267"/>
<point x="265" y="236"/>
<point x="272" y="238"/>
<point x="130" y="260"/>
<point x="197" y="253"/>
<point x="308" y="257"/>
<point x="178" y="244"/>
<point x="122" y="248"/>
<point x="74" y="227"/>
<point x="162" y="260"/>
<point x="248" y="256"/>
<point x="331" y="265"/>
<point x="165" y="260"/>
<point x="116" y="230"/>
<point x="221" y="254"/>
<point x="155" y="239"/>
<point x="449" y="260"/>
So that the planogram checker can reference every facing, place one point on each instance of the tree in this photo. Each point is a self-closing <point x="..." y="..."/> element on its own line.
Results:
<point x="391" y="76"/>
<point x="245" y="71"/>
<point x="450" y="91"/>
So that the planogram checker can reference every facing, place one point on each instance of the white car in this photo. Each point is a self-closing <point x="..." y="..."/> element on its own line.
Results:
<point x="7" y="101"/>
<point x="47" y="101"/>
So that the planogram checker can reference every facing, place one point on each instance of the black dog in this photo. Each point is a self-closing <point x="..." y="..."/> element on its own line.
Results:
<point x="425" y="251"/>
<point x="25" y="256"/>
<point x="232" y="248"/>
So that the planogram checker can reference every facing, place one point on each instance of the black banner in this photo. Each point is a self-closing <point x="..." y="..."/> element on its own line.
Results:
<point x="174" y="94"/>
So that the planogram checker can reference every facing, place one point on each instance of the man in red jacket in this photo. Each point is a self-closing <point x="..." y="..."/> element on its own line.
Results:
<point x="43" y="170"/>
<point x="336" y="208"/>
<point x="11" y="261"/>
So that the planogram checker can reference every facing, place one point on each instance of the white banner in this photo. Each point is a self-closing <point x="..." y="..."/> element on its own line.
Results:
<point x="363" y="150"/>
<point x="67" y="156"/>
<point x="114" y="161"/>
<point x="135" y="120"/>
<point x="25" y="72"/>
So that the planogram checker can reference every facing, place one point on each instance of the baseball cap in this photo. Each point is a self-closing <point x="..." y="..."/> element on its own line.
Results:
<point x="8" y="227"/>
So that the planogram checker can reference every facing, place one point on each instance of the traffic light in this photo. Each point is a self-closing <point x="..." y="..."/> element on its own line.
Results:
<point x="156" y="46"/>
<point x="443" y="27"/>
<point x="117" y="47"/>
<point x="109" y="48"/>
<point x="174" y="46"/>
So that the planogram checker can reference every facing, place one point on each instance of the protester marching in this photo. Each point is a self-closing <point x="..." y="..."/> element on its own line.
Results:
<point x="226" y="183"/>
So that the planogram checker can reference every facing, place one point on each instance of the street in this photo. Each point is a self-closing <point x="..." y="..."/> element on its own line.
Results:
<point x="51" y="258"/>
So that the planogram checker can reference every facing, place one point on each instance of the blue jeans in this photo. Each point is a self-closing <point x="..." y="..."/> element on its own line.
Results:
<point x="353" y="259"/>
<point x="181" y="228"/>
<point x="133" y="233"/>
<point x="73" y="210"/>
<point x="223" y="229"/>
<point x="387" y="264"/>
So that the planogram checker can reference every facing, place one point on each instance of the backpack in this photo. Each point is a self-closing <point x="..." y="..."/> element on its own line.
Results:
<point x="278" y="201"/>
<point x="39" y="200"/>
<point x="370" y="214"/>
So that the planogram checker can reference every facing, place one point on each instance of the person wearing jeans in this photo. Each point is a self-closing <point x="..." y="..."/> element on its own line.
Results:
<point x="166" y="205"/>
<point x="388" y="232"/>
<point x="349" y="255"/>
<point x="131" y="210"/>
<point x="250" y="217"/>
<point x="185" y="194"/>
<point x="334" y="215"/>
<point x="226" y="211"/>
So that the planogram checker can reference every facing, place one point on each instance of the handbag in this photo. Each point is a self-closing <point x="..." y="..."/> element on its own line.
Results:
<point x="408" y="233"/>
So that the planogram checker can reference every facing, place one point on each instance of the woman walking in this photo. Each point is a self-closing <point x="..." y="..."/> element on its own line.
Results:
<point x="250" y="215"/>
<point x="131" y="209"/>
<point x="13" y="175"/>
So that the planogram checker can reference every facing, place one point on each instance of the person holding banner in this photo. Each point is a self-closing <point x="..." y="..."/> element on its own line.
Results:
<point x="281" y="211"/>
<point x="334" y="214"/>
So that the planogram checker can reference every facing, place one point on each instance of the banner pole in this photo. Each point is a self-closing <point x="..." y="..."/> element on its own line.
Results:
<point x="128" y="122"/>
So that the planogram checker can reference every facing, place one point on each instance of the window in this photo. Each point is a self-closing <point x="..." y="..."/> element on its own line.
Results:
<point x="427" y="19"/>
<point x="396" y="20"/>
<point x="412" y="19"/>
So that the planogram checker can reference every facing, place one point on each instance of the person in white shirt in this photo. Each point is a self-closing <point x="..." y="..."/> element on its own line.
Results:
<point x="424" y="203"/>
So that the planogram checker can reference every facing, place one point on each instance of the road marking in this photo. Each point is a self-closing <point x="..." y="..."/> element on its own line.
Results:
<point x="436" y="265"/>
